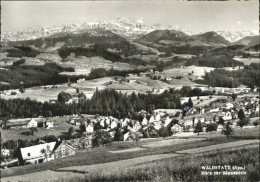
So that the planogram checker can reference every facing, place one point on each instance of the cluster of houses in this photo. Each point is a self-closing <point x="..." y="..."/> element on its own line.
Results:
<point x="147" y="125"/>
<point x="227" y="112"/>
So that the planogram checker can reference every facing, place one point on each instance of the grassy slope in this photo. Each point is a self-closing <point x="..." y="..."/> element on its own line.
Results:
<point x="102" y="154"/>
<point x="185" y="168"/>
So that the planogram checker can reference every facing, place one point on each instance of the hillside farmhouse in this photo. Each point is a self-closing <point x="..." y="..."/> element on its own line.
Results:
<point x="22" y="123"/>
<point x="45" y="152"/>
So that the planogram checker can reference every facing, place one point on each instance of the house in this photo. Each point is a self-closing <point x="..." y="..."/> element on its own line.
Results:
<point x="102" y="123"/>
<point x="108" y="121"/>
<point x="5" y="152"/>
<point x="152" y="119"/>
<point x="176" y="128"/>
<point x="137" y="127"/>
<point x="75" y="121"/>
<point x="80" y="80"/>
<point x="127" y="136"/>
<point x="90" y="128"/>
<point x="37" y="153"/>
<point x="63" y="150"/>
<point x="17" y="123"/>
<point x="32" y="123"/>
<point x="150" y="131"/>
<point x="132" y="81"/>
<point x="228" y="106"/>
<point x="227" y="116"/>
<point x="49" y="124"/>
<point x="189" y="123"/>
<point x="145" y="121"/>
<point x="125" y="122"/>
<point x="113" y="124"/>
<point x="86" y="142"/>
<point x="158" y="125"/>
<point x="167" y="121"/>
<point x="214" y="110"/>
<point x="21" y="123"/>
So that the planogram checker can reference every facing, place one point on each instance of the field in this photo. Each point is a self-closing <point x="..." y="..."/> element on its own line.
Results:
<point x="183" y="168"/>
<point x="247" y="61"/>
<point x="41" y="94"/>
<point x="203" y="100"/>
<point x="83" y="65"/>
<point x="149" y="148"/>
<point x="14" y="134"/>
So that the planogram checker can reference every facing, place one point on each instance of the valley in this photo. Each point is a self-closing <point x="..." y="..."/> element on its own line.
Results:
<point x="78" y="102"/>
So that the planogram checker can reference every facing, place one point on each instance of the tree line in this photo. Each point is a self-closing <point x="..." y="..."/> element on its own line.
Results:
<point x="104" y="102"/>
<point x="222" y="78"/>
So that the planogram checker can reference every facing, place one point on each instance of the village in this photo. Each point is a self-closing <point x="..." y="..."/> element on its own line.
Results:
<point x="94" y="130"/>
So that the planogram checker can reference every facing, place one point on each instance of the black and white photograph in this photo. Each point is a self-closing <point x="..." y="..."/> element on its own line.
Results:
<point x="129" y="90"/>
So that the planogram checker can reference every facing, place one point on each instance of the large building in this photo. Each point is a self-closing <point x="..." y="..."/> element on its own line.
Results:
<point x="45" y="152"/>
<point x="22" y="123"/>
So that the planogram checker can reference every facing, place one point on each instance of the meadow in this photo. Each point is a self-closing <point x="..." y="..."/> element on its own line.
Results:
<point x="103" y="154"/>
<point x="185" y="168"/>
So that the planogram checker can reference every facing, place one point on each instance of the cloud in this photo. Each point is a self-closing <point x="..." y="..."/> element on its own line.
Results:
<point x="255" y="32"/>
<point x="238" y="22"/>
<point x="140" y="20"/>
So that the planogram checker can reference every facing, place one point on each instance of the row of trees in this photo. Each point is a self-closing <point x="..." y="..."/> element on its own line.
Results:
<point x="222" y="78"/>
<point x="106" y="102"/>
<point x="214" y="61"/>
<point x="29" y="75"/>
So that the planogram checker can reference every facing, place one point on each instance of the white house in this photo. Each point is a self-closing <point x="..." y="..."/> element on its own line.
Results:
<point x="38" y="153"/>
<point x="152" y="119"/>
<point x="227" y="116"/>
<point x="132" y="81"/>
<point x="90" y="128"/>
<point x="167" y="121"/>
<point x="145" y="121"/>
<point x="5" y="152"/>
<point x="108" y="121"/>
<point x="214" y="110"/>
<point x="125" y="122"/>
<point x="113" y="124"/>
<point x="32" y="123"/>
<point x="49" y="124"/>
<point x="102" y="122"/>
<point x="176" y="128"/>
<point x="137" y="127"/>
<point x="158" y="125"/>
<point x="228" y="106"/>
<point x="158" y="117"/>
<point x="126" y="136"/>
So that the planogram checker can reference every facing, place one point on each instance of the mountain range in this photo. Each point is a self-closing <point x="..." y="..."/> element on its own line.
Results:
<point x="120" y="26"/>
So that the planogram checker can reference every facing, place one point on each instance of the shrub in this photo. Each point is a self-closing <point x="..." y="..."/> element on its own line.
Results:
<point x="256" y="123"/>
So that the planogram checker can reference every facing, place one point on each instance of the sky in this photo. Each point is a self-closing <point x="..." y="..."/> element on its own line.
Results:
<point x="196" y="16"/>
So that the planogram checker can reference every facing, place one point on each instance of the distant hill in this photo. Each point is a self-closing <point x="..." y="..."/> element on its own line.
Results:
<point x="212" y="38"/>
<point x="233" y="36"/>
<point x="90" y="36"/>
<point x="248" y="41"/>
<point x="179" y="38"/>
<point x="158" y="35"/>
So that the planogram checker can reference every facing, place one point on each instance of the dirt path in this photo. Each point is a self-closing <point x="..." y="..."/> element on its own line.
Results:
<point x="76" y="171"/>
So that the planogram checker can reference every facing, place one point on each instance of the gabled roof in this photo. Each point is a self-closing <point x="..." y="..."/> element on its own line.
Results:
<point x="63" y="143"/>
<point x="36" y="150"/>
<point x="18" y="122"/>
